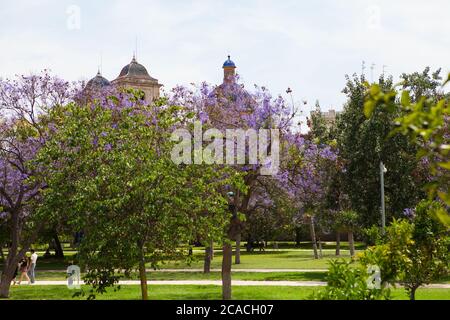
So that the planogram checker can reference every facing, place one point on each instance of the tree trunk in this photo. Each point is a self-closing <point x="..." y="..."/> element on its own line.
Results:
<point x="211" y="246"/>
<point x="8" y="270"/>
<point x="313" y="238"/>
<point x="142" y="273"/>
<point x="412" y="293"/>
<point x="59" y="253"/>
<point x="320" y="248"/>
<point x="13" y="257"/>
<point x="207" y="262"/>
<point x="238" y="249"/>
<point x="338" y="243"/>
<point x="2" y="254"/>
<point x="7" y="276"/>
<point x="351" y="243"/>
<point x="16" y="251"/>
<point x="226" y="271"/>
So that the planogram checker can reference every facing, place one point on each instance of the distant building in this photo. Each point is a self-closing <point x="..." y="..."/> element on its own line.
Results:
<point x="96" y="83"/>
<point x="329" y="116"/>
<point x="133" y="75"/>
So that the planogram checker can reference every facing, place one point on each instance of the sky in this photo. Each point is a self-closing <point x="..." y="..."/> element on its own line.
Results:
<point x="308" y="46"/>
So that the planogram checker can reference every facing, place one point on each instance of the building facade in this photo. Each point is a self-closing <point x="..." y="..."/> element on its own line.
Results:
<point x="133" y="75"/>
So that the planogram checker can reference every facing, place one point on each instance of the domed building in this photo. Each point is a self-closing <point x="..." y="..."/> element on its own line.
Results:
<point x="229" y="98"/>
<point x="135" y="75"/>
<point x="230" y="88"/>
<point x="229" y="70"/>
<point x="97" y="83"/>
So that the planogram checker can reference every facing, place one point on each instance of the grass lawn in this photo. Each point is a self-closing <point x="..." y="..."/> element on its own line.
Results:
<point x="270" y="259"/>
<point x="201" y="293"/>
<point x="273" y="259"/>
<point x="266" y="276"/>
<point x="287" y="257"/>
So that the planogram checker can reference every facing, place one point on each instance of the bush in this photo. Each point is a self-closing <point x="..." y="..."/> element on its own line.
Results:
<point x="346" y="282"/>
<point x="371" y="236"/>
<point x="413" y="253"/>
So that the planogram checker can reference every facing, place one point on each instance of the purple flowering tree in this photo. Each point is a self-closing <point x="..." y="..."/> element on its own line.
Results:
<point x="24" y="105"/>
<point x="306" y="177"/>
<point x="230" y="106"/>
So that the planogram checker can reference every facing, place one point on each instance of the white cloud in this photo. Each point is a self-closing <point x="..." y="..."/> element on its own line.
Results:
<point x="308" y="46"/>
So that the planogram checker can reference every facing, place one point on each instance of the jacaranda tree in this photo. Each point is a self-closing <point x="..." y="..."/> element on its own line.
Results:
<point x="24" y="106"/>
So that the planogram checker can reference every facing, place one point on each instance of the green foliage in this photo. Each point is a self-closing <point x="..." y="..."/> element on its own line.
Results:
<point x="422" y="115"/>
<point x="346" y="220"/>
<point x="111" y="176"/>
<point x="348" y="282"/>
<point x="412" y="254"/>
<point x="372" y="235"/>
<point x="320" y="131"/>
<point x="391" y="255"/>
<point x="430" y="258"/>
<point x="363" y="143"/>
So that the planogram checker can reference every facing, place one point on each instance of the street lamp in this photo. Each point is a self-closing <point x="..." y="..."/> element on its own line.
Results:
<point x="383" y="170"/>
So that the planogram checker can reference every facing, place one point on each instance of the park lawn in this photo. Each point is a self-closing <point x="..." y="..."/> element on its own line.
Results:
<point x="273" y="259"/>
<point x="255" y="276"/>
<point x="52" y="263"/>
<point x="196" y="292"/>
<point x="251" y="276"/>
<point x="270" y="259"/>
<point x="287" y="257"/>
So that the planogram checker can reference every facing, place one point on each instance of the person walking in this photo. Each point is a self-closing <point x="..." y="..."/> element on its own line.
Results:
<point x="31" y="270"/>
<point x="23" y="268"/>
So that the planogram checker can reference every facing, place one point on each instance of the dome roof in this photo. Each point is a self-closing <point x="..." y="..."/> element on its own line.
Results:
<point x="229" y="63"/>
<point x="97" y="82"/>
<point x="134" y="69"/>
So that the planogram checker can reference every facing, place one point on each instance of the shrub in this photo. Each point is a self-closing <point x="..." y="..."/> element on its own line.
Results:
<point x="347" y="282"/>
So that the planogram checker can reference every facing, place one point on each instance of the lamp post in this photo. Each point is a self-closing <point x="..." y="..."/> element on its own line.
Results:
<point x="383" y="170"/>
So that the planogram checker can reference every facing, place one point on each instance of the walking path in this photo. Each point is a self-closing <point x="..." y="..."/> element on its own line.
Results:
<point x="243" y="270"/>
<point x="217" y="270"/>
<point x="219" y="283"/>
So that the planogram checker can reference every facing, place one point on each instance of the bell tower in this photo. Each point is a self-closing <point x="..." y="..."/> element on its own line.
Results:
<point x="229" y="70"/>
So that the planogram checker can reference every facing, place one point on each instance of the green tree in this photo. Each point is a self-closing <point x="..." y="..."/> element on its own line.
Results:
<point x="320" y="131"/>
<point x="347" y="221"/>
<point x="362" y="144"/>
<point x="413" y="253"/>
<point x="424" y="120"/>
<point x="110" y="175"/>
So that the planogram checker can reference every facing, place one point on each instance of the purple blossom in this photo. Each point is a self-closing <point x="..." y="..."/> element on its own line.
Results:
<point x="409" y="213"/>
<point x="108" y="147"/>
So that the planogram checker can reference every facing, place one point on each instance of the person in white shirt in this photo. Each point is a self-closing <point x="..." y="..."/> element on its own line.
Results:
<point x="34" y="257"/>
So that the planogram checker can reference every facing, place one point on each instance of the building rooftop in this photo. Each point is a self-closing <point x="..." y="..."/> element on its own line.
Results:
<point x="97" y="82"/>
<point x="135" y="70"/>
<point x="229" y="63"/>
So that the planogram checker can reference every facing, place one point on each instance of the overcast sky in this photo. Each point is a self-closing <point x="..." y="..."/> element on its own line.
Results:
<point x="306" y="45"/>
